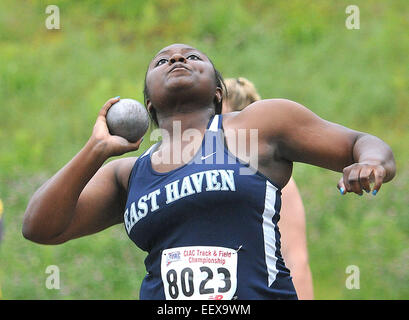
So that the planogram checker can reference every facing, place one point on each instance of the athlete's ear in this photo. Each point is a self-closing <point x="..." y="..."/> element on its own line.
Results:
<point x="219" y="94"/>
<point x="148" y="105"/>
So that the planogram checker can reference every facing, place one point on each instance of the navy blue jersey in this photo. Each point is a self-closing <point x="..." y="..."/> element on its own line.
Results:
<point x="210" y="231"/>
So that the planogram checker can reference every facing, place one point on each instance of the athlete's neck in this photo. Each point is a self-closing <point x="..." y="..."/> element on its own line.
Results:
<point x="182" y="135"/>
<point x="173" y="125"/>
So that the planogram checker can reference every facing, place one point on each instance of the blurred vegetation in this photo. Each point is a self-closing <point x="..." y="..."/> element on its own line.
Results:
<point x="53" y="82"/>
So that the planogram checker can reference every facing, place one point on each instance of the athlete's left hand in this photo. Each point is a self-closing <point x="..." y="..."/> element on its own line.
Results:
<point x="359" y="176"/>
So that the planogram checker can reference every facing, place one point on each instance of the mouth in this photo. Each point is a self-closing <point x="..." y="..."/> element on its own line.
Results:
<point x="178" y="67"/>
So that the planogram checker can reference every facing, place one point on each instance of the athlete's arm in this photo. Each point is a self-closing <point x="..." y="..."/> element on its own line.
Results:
<point x="82" y="198"/>
<point x="294" y="240"/>
<point x="301" y="136"/>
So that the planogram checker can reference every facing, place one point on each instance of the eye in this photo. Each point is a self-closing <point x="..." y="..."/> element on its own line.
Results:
<point x="161" y="61"/>
<point x="193" y="57"/>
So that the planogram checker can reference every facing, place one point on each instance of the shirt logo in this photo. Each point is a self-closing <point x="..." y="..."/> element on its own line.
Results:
<point x="207" y="156"/>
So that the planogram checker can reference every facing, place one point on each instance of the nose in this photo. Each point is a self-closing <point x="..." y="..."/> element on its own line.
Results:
<point x="177" y="57"/>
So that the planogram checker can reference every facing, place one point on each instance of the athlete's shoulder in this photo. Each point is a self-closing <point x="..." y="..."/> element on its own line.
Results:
<point x="269" y="114"/>
<point x="270" y="107"/>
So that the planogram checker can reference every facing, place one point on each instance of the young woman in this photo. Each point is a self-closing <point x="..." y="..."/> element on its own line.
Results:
<point x="241" y="93"/>
<point x="209" y="227"/>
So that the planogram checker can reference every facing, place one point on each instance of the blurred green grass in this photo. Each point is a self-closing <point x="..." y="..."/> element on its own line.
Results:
<point x="53" y="82"/>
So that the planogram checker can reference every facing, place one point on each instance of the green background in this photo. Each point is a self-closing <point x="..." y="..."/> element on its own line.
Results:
<point x="53" y="82"/>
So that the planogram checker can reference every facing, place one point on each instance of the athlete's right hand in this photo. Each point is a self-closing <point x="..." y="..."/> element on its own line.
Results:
<point x="111" y="145"/>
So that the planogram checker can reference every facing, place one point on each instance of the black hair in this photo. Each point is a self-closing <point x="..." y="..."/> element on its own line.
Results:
<point x="217" y="104"/>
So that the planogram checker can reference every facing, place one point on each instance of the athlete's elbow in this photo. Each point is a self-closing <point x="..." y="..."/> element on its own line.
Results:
<point x="39" y="238"/>
<point x="32" y="231"/>
<point x="28" y="231"/>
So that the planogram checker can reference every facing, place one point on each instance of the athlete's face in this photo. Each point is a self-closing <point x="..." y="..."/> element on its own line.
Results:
<point x="183" y="74"/>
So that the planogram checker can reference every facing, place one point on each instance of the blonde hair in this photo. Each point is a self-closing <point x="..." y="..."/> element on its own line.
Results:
<point x="240" y="93"/>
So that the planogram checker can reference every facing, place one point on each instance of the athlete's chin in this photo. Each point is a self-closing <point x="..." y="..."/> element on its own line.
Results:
<point x="180" y="81"/>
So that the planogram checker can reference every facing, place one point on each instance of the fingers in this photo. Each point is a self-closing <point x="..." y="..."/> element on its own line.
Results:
<point x="352" y="182"/>
<point x="341" y="186"/>
<point x="358" y="178"/>
<point x="365" y="179"/>
<point x="135" y="145"/>
<point x="104" y="110"/>
<point x="120" y="145"/>
<point x="379" y="174"/>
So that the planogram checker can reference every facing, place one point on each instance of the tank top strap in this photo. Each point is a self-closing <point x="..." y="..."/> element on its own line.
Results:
<point x="138" y="161"/>
<point x="147" y="151"/>
<point x="213" y="139"/>
<point x="215" y="123"/>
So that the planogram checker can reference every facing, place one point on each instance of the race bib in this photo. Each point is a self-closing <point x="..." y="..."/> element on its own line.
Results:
<point x="199" y="273"/>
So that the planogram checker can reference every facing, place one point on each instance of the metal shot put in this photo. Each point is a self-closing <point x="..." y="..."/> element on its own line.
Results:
<point x="128" y="118"/>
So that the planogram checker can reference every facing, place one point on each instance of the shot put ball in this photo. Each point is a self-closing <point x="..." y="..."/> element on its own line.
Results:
<point x="128" y="118"/>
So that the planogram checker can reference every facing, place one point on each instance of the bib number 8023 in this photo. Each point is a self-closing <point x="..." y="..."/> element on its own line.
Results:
<point x="187" y="283"/>
<point x="199" y="273"/>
